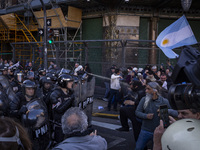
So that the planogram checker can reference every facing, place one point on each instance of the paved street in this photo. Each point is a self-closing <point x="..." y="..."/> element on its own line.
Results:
<point x="106" y="122"/>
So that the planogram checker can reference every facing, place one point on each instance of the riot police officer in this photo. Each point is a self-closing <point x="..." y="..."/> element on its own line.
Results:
<point x="41" y="73"/>
<point x="4" y="70"/>
<point x="17" y="82"/>
<point x="32" y="112"/>
<point x="46" y="88"/>
<point x="61" y="99"/>
<point x="17" y="106"/>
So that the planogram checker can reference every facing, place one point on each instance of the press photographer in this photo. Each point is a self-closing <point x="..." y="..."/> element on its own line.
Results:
<point x="184" y="96"/>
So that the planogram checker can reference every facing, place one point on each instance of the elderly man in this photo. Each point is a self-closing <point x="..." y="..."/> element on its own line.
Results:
<point x="78" y="68"/>
<point x="147" y="111"/>
<point x="74" y="126"/>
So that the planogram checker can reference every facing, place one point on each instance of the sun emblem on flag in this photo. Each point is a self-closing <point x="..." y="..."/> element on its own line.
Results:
<point x="165" y="41"/>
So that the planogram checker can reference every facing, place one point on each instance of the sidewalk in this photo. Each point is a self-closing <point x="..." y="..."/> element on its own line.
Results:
<point x="100" y="106"/>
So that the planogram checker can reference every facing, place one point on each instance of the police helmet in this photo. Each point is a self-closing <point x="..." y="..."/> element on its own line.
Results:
<point x="44" y="80"/>
<point x="41" y="71"/>
<point x="182" y="135"/>
<point x="28" y="84"/>
<point x="52" y="76"/>
<point x="2" y="68"/>
<point x="63" y="79"/>
<point x="30" y="74"/>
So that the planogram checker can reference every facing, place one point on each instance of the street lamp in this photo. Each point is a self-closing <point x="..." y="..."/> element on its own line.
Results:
<point x="186" y="4"/>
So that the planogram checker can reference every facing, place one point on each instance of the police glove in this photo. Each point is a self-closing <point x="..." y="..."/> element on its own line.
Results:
<point x="23" y="110"/>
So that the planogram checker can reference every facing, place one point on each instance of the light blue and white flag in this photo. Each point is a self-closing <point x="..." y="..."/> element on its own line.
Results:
<point x="177" y="34"/>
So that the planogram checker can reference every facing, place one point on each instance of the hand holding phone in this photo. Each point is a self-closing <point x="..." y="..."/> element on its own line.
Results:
<point x="164" y="116"/>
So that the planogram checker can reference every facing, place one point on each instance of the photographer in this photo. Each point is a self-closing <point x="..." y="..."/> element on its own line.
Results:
<point x="182" y="114"/>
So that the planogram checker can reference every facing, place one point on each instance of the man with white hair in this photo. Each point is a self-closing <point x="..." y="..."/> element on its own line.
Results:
<point x="147" y="111"/>
<point x="75" y="128"/>
<point x="77" y="68"/>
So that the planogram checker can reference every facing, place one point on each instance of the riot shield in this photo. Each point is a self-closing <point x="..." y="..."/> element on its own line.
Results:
<point x="36" y="116"/>
<point x="4" y="104"/>
<point x="83" y="91"/>
<point x="88" y="102"/>
<point x="90" y="87"/>
<point x="7" y="88"/>
<point x="37" y="122"/>
<point x="76" y="89"/>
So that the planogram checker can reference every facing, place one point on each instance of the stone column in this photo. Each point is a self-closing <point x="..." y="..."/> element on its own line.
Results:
<point x="153" y="36"/>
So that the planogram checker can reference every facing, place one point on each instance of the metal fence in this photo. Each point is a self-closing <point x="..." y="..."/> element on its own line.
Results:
<point x="100" y="54"/>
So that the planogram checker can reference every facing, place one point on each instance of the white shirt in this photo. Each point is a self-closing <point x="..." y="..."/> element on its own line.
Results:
<point x="114" y="82"/>
<point x="164" y="85"/>
<point x="77" y="69"/>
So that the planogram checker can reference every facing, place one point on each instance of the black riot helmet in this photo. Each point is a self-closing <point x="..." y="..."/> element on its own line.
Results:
<point x="29" y="84"/>
<point x="42" y="71"/>
<point x="44" y="80"/>
<point x="52" y="76"/>
<point x="3" y="70"/>
<point x="63" y="79"/>
<point x="30" y="75"/>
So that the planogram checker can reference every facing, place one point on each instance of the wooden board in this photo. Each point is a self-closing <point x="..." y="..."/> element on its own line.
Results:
<point x="9" y="20"/>
<point x="57" y="18"/>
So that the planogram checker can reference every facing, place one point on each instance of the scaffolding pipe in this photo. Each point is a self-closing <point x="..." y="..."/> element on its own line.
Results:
<point x="45" y="35"/>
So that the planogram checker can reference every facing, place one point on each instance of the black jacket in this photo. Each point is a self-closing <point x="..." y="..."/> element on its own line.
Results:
<point x="60" y="103"/>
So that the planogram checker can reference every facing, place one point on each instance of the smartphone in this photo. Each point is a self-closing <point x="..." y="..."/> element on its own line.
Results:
<point x="164" y="116"/>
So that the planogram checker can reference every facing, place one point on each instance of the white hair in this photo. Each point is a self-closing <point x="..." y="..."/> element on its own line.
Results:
<point x="78" y="125"/>
<point x="155" y="86"/>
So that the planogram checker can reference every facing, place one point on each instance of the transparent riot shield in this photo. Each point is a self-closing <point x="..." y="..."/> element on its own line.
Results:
<point x="37" y="122"/>
<point x="7" y="88"/>
<point x="83" y="90"/>
<point x="76" y="89"/>
<point x="80" y="92"/>
<point x="36" y="116"/>
<point x="4" y="104"/>
<point x="90" y="87"/>
<point x="88" y="103"/>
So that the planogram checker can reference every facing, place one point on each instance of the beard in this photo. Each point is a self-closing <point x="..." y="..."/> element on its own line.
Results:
<point x="148" y="97"/>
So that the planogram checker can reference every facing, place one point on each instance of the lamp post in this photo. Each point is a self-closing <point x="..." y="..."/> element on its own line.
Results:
<point x="186" y="4"/>
<point x="45" y="35"/>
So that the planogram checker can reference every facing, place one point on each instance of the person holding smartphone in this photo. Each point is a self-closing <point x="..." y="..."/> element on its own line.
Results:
<point x="182" y="114"/>
<point x="147" y="111"/>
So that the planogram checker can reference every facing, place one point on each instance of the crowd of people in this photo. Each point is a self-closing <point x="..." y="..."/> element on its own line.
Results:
<point x="42" y="103"/>
<point x="39" y="112"/>
<point x="147" y="91"/>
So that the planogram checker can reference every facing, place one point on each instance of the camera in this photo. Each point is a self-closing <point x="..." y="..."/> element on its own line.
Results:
<point x="185" y="93"/>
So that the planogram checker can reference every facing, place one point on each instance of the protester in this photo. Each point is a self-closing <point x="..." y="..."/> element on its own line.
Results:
<point x="75" y="128"/>
<point x="114" y="89"/>
<point x="109" y="72"/>
<point x="147" y="111"/>
<point x="127" y="111"/>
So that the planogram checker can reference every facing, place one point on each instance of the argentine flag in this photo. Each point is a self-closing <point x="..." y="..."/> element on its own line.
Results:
<point x="177" y="34"/>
